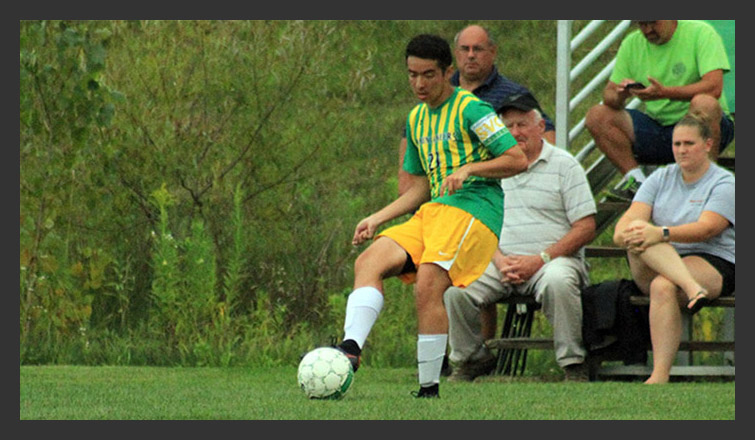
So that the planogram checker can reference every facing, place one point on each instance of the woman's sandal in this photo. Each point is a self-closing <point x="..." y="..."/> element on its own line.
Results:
<point x="701" y="300"/>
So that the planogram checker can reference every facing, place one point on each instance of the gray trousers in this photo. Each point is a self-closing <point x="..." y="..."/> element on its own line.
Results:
<point x="556" y="286"/>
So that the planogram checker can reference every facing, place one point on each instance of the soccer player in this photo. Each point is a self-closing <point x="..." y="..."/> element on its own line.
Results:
<point x="457" y="151"/>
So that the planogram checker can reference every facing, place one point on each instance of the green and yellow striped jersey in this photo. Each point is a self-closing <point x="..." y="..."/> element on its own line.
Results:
<point x="464" y="129"/>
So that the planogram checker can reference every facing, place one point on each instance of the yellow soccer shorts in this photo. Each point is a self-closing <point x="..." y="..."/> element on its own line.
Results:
<point x="449" y="237"/>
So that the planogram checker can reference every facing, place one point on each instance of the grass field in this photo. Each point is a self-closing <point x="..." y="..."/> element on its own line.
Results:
<point x="152" y="393"/>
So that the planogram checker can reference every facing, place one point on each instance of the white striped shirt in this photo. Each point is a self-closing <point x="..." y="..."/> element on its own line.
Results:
<point x="542" y="203"/>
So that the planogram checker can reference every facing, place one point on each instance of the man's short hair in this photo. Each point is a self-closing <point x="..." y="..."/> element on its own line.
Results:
<point x="488" y="33"/>
<point x="430" y="47"/>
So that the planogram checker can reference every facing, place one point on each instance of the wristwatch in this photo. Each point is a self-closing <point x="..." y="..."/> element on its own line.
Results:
<point x="666" y="233"/>
<point x="545" y="256"/>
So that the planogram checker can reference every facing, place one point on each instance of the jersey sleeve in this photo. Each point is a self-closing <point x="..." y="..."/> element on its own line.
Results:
<point x="412" y="162"/>
<point x="488" y="127"/>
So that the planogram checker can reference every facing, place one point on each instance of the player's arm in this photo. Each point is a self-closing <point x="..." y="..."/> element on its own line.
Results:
<point x="511" y="162"/>
<point x="417" y="194"/>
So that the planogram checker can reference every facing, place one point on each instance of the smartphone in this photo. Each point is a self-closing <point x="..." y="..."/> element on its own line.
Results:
<point x="635" y="85"/>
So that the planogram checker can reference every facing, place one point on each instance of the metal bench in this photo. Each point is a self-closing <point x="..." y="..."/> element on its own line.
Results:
<point x="516" y="338"/>
<point x="515" y="335"/>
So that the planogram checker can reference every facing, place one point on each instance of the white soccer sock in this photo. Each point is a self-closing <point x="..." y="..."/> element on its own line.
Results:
<point x="430" y="352"/>
<point x="637" y="173"/>
<point x="362" y="310"/>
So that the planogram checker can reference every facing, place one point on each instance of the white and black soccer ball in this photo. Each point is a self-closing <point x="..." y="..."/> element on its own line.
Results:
<point x="325" y="373"/>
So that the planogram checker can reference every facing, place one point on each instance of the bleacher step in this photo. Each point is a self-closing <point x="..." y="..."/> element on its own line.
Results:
<point x="604" y="252"/>
<point x="726" y="301"/>
<point x="523" y="343"/>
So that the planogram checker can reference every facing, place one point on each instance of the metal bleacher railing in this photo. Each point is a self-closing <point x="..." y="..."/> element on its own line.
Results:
<point x="601" y="171"/>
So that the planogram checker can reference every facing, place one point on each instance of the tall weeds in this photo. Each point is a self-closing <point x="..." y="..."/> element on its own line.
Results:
<point x="189" y="188"/>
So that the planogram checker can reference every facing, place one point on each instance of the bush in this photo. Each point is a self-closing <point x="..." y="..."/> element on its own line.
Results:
<point x="189" y="189"/>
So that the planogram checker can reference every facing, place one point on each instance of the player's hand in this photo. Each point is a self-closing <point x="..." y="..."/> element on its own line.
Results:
<point x="454" y="181"/>
<point x="364" y="231"/>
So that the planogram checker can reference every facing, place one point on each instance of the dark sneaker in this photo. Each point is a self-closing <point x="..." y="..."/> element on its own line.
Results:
<point x="468" y="371"/>
<point x="625" y="192"/>
<point x="351" y="350"/>
<point x="577" y="373"/>
<point x="427" y="392"/>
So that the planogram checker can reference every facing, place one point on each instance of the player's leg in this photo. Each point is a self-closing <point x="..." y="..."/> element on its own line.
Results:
<point x="432" y="325"/>
<point x="488" y="320"/>
<point x="458" y="249"/>
<point x="382" y="259"/>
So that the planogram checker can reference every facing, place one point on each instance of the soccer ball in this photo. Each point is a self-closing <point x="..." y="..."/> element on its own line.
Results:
<point x="325" y="373"/>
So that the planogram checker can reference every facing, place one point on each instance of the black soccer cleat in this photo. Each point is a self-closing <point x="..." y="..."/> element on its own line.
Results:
<point x="427" y="392"/>
<point x="352" y="352"/>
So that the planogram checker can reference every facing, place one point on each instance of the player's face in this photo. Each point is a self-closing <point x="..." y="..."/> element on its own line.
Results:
<point x="429" y="83"/>
<point x="474" y="54"/>
<point x="657" y="31"/>
<point x="526" y="128"/>
<point x="689" y="147"/>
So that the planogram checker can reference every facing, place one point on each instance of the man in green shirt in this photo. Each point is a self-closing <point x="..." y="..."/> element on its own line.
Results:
<point x="457" y="150"/>
<point x="675" y="67"/>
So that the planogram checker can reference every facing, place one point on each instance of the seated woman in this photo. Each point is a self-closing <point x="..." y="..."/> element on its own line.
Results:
<point x="679" y="236"/>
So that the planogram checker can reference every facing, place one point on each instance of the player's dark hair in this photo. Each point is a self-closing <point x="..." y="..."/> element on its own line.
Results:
<point x="430" y="47"/>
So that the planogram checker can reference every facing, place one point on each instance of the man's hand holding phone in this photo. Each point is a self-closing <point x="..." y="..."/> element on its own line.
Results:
<point x="634" y="85"/>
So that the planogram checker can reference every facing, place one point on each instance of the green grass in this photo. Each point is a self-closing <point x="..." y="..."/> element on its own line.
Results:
<point x="154" y="393"/>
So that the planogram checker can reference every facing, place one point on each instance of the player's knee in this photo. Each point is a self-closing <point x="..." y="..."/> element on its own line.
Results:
<point x="372" y="261"/>
<point x="362" y="261"/>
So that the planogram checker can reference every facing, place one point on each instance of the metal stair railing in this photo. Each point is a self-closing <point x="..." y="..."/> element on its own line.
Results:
<point x="601" y="171"/>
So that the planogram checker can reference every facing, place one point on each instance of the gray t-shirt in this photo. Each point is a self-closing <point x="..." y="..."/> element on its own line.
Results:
<point x="676" y="203"/>
<point x="542" y="203"/>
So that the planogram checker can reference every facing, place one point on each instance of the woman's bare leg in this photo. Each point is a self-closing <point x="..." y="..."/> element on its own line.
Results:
<point x="659" y="271"/>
